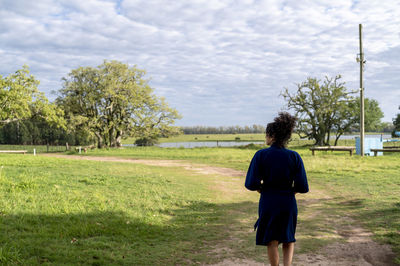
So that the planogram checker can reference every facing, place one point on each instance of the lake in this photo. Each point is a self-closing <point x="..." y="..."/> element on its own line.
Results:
<point x="196" y="144"/>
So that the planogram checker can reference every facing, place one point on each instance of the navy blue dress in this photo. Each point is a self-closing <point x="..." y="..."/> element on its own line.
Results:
<point x="278" y="173"/>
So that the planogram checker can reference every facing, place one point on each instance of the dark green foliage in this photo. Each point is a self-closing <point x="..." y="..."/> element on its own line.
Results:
<point x="372" y="117"/>
<point x="36" y="131"/>
<point x="396" y="123"/>
<point x="251" y="146"/>
<point x="146" y="141"/>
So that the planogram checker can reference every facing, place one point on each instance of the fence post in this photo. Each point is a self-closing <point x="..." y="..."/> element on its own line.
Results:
<point x="34" y="152"/>
<point x="66" y="146"/>
<point x="47" y="147"/>
<point x="80" y="149"/>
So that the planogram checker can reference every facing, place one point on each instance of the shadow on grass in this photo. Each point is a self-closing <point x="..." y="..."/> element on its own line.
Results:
<point x="314" y="227"/>
<point x="183" y="236"/>
<point x="323" y="218"/>
<point x="385" y="224"/>
<point x="199" y="232"/>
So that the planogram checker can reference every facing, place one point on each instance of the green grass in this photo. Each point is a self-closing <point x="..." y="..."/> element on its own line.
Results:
<point x="365" y="189"/>
<point x="60" y="211"/>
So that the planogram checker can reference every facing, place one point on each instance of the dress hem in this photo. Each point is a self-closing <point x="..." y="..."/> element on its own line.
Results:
<point x="279" y="242"/>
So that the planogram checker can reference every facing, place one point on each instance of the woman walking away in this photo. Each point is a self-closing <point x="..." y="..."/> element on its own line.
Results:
<point x="278" y="174"/>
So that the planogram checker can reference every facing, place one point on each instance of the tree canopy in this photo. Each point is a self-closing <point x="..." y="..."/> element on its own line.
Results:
<point x="329" y="108"/>
<point x="321" y="108"/>
<point x="114" y="101"/>
<point x="372" y="115"/>
<point x="20" y="99"/>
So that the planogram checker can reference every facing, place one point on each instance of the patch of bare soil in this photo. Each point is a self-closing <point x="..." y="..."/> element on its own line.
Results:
<point x="240" y="262"/>
<point x="355" y="246"/>
<point x="357" y="249"/>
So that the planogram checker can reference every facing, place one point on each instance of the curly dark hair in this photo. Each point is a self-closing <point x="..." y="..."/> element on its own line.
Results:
<point x="281" y="129"/>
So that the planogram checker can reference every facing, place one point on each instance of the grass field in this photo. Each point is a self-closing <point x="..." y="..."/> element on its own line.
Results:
<point x="234" y="137"/>
<point x="207" y="137"/>
<point x="61" y="211"/>
<point x="58" y="211"/>
<point x="366" y="189"/>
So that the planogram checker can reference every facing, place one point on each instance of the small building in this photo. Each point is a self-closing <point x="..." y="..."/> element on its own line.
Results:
<point x="369" y="143"/>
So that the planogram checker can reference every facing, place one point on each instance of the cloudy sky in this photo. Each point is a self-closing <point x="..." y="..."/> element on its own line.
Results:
<point x="217" y="62"/>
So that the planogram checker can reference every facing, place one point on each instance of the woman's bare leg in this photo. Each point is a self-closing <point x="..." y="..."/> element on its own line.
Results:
<point x="287" y="249"/>
<point x="273" y="253"/>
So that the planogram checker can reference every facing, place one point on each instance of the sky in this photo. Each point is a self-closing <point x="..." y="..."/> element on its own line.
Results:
<point x="219" y="63"/>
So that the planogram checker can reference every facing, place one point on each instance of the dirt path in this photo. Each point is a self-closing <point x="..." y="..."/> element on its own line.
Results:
<point x="357" y="249"/>
<point x="198" y="168"/>
<point x="355" y="246"/>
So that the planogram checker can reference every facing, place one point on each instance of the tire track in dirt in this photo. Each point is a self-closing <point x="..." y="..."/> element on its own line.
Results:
<point x="354" y="245"/>
<point x="354" y="248"/>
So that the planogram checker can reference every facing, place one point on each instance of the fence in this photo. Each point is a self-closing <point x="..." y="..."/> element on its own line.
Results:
<point x="38" y="148"/>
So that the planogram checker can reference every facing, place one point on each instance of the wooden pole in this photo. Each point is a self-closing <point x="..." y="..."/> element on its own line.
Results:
<point x="361" y="93"/>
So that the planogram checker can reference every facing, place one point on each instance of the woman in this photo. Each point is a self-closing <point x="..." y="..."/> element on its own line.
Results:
<point x="278" y="174"/>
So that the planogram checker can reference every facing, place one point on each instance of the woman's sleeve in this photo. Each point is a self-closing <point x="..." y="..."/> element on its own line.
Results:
<point x="300" y="179"/>
<point x="253" y="179"/>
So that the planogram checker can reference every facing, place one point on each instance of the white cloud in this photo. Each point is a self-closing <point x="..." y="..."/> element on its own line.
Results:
<point x="217" y="62"/>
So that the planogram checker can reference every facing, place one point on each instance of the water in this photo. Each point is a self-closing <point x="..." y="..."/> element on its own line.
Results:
<point x="207" y="144"/>
<point x="196" y="144"/>
<point x="384" y="136"/>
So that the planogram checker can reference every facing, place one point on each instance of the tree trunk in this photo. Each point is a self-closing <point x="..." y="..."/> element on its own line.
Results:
<point x="328" y="136"/>
<point x="105" y="139"/>
<point x="111" y="137"/>
<point x="99" y="140"/>
<point x="337" y="138"/>
<point x="18" y="137"/>
<point x="319" y="138"/>
<point x="118" y="138"/>
<point x="319" y="141"/>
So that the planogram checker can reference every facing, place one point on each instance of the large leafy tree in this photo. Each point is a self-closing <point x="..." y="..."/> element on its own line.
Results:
<point x="20" y="99"/>
<point x="328" y="108"/>
<point x="372" y="115"/>
<point x="114" y="101"/>
<point x="322" y="108"/>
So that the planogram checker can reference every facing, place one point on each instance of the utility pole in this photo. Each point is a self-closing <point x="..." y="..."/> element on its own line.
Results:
<point x="362" y="62"/>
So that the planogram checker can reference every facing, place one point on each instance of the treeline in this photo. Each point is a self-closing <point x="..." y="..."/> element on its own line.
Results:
<point x="224" y="129"/>
<point x="39" y="132"/>
<point x="385" y="127"/>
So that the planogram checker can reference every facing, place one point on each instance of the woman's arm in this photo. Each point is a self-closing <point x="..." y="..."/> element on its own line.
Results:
<point x="300" y="178"/>
<point x="253" y="180"/>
